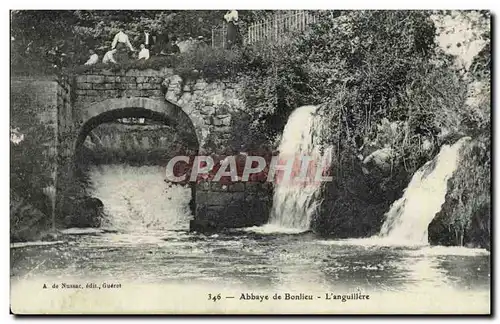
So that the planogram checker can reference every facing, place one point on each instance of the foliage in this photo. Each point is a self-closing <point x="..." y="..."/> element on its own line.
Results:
<point x="156" y="63"/>
<point x="30" y="160"/>
<point x="211" y="63"/>
<point x="29" y="176"/>
<point x="273" y="86"/>
<point x="46" y="41"/>
<point x="364" y="68"/>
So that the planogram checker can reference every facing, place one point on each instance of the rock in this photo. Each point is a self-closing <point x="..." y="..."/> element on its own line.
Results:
<point x="380" y="158"/>
<point x="426" y="145"/>
<point x="208" y="110"/>
<point x="87" y="212"/>
<point x="222" y="110"/>
<point x="200" y="85"/>
<point x="27" y="223"/>
<point x="202" y="226"/>
<point x="464" y="218"/>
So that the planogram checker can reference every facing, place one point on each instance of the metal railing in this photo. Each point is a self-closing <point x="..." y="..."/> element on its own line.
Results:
<point x="219" y="36"/>
<point x="278" y="27"/>
<point x="273" y="29"/>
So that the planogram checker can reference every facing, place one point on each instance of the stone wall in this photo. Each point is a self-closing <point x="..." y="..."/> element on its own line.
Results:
<point x="41" y="110"/>
<point x="211" y="108"/>
<point x="65" y="118"/>
<point x="239" y="204"/>
<point x="41" y="113"/>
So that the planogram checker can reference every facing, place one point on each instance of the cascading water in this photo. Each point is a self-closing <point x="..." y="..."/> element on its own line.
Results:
<point x="136" y="198"/>
<point x="294" y="203"/>
<point x="409" y="217"/>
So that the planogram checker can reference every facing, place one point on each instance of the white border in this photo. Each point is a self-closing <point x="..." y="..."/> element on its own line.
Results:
<point x="189" y="4"/>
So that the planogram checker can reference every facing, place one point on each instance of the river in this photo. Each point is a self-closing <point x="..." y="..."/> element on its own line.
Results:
<point x="147" y="242"/>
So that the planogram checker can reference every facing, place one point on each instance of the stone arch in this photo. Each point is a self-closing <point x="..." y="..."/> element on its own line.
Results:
<point x="112" y="109"/>
<point x="161" y="110"/>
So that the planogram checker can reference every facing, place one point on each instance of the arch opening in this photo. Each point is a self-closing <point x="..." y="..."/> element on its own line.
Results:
<point x="157" y="114"/>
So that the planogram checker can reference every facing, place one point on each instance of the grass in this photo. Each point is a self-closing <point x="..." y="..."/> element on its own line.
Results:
<point x="155" y="63"/>
<point x="209" y="63"/>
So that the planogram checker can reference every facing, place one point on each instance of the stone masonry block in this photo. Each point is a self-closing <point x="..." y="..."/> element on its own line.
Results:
<point x="151" y="93"/>
<point x="81" y="78"/>
<point x="87" y="92"/>
<point x="128" y="79"/>
<point x="95" y="78"/>
<point x="84" y="85"/>
<point x="111" y="93"/>
<point x="110" y="79"/>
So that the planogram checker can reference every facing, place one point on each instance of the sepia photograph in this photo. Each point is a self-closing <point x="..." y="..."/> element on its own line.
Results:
<point x="314" y="162"/>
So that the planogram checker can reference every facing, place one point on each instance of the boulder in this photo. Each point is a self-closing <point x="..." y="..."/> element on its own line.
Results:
<point x="86" y="212"/>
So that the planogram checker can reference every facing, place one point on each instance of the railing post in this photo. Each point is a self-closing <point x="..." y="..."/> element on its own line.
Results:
<point x="276" y="28"/>
<point x="271" y="28"/>
<point x="213" y="38"/>
<point x="223" y="36"/>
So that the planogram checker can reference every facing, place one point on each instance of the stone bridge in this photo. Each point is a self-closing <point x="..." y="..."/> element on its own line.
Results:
<point x="205" y="108"/>
<point x="203" y="112"/>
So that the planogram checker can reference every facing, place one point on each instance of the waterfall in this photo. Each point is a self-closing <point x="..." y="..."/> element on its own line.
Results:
<point x="136" y="198"/>
<point x="410" y="216"/>
<point x="294" y="202"/>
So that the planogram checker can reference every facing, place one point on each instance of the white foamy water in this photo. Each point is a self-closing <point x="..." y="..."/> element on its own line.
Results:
<point x="294" y="203"/>
<point x="272" y="229"/>
<point x="137" y="199"/>
<point x="410" y="216"/>
<point x="410" y="247"/>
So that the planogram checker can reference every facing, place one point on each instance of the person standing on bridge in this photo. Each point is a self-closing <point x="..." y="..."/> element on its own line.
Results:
<point x="120" y="44"/>
<point x="231" y="18"/>
<point x="147" y="38"/>
<point x="121" y="40"/>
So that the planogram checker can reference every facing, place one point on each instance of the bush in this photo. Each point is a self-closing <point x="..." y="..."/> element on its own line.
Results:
<point x="368" y="69"/>
<point x="211" y="63"/>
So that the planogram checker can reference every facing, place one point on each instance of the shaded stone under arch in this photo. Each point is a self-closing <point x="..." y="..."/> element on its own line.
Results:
<point x="112" y="109"/>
